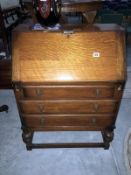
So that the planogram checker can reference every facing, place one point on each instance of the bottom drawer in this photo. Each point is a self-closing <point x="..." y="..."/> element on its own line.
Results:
<point x="68" y="122"/>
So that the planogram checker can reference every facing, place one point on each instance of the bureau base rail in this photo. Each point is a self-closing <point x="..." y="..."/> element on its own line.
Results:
<point x="65" y="145"/>
<point x="106" y="135"/>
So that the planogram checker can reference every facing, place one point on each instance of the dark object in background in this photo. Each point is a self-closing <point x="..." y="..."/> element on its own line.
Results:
<point x="4" y="108"/>
<point x="47" y="12"/>
<point x="5" y="74"/>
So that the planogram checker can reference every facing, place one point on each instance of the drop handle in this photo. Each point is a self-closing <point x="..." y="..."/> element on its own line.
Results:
<point x="94" y="120"/>
<point x="98" y="92"/>
<point x="95" y="107"/>
<point x="41" y="108"/>
<point x="119" y="88"/>
<point x="39" y="92"/>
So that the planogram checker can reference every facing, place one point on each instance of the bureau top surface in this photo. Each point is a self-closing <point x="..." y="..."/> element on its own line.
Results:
<point x="94" y="53"/>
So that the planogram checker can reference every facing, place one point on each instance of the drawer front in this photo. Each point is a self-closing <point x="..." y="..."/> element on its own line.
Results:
<point x="41" y="121"/>
<point x="69" y="92"/>
<point x="67" y="107"/>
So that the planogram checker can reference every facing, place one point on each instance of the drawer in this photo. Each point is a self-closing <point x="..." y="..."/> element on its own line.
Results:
<point x="68" y="92"/>
<point x="67" y="106"/>
<point x="65" y="121"/>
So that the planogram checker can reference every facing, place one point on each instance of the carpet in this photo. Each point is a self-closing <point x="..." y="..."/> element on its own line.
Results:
<point x="127" y="151"/>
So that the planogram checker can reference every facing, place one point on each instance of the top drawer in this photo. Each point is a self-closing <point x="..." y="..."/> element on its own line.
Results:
<point x="68" y="92"/>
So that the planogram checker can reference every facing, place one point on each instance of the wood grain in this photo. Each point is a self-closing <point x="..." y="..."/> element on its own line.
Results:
<point x="57" y="57"/>
<point x="57" y="92"/>
<point x="67" y="106"/>
<point x="67" y="121"/>
<point x="61" y="86"/>
<point x="81" y="6"/>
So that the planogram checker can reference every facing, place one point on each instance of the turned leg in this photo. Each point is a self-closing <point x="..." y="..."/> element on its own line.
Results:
<point x="107" y="137"/>
<point x="27" y="138"/>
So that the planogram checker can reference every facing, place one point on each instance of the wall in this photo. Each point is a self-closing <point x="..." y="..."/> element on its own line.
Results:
<point x="8" y="3"/>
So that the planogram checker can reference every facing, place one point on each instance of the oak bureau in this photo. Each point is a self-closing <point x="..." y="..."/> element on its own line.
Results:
<point x="69" y="80"/>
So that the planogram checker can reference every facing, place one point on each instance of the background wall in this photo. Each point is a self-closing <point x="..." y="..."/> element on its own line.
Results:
<point x="8" y="3"/>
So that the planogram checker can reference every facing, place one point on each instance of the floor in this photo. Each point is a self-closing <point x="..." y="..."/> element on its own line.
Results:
<point x="15" y="159"/>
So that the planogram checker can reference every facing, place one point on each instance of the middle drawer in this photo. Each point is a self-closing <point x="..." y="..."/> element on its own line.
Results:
<point x="67" y="106"/>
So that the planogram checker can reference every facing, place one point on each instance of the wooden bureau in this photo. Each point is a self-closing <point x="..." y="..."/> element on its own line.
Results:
<point x="69" y="80"/>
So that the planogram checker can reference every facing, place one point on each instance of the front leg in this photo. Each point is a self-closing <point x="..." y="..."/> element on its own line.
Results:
<point x="107" y="137"/>
<point x="27" y="138"/>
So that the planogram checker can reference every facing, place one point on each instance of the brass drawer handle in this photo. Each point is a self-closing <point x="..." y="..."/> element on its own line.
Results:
<point x="41" y="108"/>
<point x="95" y="107"/>
<point x="119" y="88"/>
<point x="97" y="92"/>
<point x="94" y="120"/>
<point x="39" y="92"/>
<point x="42" y="121"/>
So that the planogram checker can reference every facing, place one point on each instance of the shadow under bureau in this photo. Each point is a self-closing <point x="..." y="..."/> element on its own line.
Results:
<point x="69" y="80"/>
